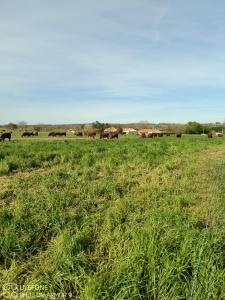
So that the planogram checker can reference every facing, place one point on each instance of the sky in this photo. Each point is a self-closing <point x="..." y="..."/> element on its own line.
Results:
<point x="78" y="61"/>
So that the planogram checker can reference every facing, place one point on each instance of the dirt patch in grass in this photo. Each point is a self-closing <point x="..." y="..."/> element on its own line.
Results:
<point x="214" y="153"/>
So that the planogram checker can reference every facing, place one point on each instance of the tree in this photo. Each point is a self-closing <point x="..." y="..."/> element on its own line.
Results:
<point x="22" y="125"/>
<point x="142" y="124"/>
<point x="88" y="127"/>
<point x="99" y="127"/>
<point x="194" y="128"/>
<point x="11" y="126"/>
<point x="38" y="128"/>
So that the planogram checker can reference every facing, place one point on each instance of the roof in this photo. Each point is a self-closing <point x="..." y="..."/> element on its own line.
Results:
<point x="129" y="130"/>
<point x="150" y="130"/>
<point x="110" y="129"/>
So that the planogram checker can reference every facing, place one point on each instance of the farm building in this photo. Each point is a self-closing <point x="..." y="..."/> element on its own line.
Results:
<point x="149" y="131"/>
<point x="110" y="129"/>
<point x="129" y="130"/>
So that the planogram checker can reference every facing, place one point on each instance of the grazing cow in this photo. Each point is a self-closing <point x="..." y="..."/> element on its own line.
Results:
<point x="27" y="133"/>
<point x="91" y="134"/>
<point x="6" y="135"/>
<point x="143" y="135"/>
<point x="160" y="134"/>
<point x="60" y="134"/>
<point x="179" y="135"/>
<point x="104" y="135"/>
<point x="52" y="133"/>
<point x="78" y="133"/>
<point x="150" y="135"/>
<point x="114" y="136"/>
<point x="219" y="134"/>
<point x="210" y="135"/>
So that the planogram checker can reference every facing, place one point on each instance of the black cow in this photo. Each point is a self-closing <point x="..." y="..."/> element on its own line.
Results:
<point x="6" y="135"/>
<point x="27" y="133"/>
<point x="179" y="135"/>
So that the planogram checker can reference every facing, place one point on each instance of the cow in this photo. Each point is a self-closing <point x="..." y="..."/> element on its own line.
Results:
<point x="114" y="136"/>
<point x="150" y="135"/>
<point x="104" y="135"/>
<point x="78" y="133"/>
<point x="60" y="134"/>
<point x="210" y="135"/>
<point x="160" y="134"/>
<point x="52" y="133"/>
<point x="27" y="133"/>
<point x="219" y="134"/>
<point x="91" y="134"/>
<point x="6" y="135"/>
<point x="179" y="135"/>
<point x="143" y="135"/>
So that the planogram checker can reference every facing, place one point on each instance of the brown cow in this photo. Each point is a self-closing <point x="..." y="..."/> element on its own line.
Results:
<point x="60" y="133"/>
<point x="210" y="135"/>
<point x="143" y="135"/>
<point x="114" y="136"/>
<point x="91" y="134"/>
<point x="104" y="135"/>
<point x="52" y="133"/>
<point x="79" y="133"/>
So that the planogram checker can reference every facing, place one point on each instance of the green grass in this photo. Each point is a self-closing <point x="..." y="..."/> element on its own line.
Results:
<point x="122" y="219"/>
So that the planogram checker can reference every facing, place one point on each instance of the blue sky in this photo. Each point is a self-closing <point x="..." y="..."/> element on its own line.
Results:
<point x="117" y="61"/>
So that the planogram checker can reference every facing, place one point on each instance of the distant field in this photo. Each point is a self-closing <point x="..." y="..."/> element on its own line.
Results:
<point x="128" y="219"/>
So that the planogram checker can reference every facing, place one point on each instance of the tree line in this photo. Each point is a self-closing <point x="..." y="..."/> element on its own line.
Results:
<point x="192" y="127"/>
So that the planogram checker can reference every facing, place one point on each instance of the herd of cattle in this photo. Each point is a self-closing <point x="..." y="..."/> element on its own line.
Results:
<point x="104" y="135"/>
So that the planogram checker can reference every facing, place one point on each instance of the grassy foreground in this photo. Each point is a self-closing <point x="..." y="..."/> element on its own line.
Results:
<point x="127" y="219"/>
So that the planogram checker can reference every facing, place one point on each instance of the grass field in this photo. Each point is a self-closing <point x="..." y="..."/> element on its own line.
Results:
<point x="128" y="219"/>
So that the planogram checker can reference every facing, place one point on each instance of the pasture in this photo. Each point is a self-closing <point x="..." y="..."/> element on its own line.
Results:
<point x="121" y="219"/>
